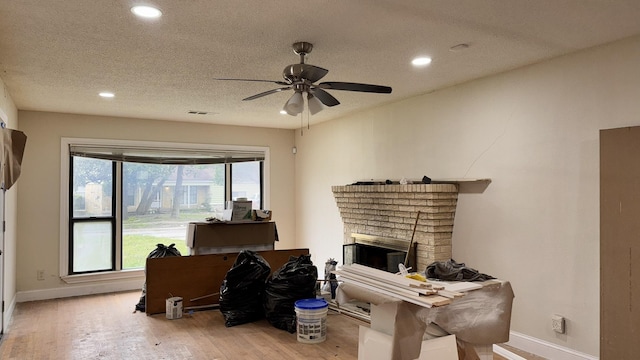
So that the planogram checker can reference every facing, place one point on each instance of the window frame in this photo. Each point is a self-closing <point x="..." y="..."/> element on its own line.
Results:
<point x="65" y="189"/>
<point x="112" y="219"/>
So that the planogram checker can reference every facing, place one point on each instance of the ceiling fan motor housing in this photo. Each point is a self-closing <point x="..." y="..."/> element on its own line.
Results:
<point x="292" y="72"/>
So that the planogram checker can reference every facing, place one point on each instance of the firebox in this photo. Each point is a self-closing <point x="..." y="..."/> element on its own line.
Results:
<point x="378" y="252"/>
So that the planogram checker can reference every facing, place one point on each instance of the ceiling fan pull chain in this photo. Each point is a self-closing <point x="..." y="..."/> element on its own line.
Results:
<point x="301" y="125"/>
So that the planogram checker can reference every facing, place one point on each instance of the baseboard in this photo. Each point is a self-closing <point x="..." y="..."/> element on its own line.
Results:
<point x="545" y="349"/>
<point x="506" y="353"/>
<point x="79" y="290"/>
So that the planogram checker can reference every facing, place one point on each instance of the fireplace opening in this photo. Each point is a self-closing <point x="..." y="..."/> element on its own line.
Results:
<point x="379" y="253"/>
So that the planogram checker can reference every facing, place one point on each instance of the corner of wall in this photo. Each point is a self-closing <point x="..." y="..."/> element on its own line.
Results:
<point x="8" y="114"/>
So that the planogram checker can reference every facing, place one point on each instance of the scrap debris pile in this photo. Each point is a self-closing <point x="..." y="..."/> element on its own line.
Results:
<point x="409" y="289"/>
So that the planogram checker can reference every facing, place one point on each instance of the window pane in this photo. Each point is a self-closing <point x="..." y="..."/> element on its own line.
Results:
<point x="92" y="246"/>
<point x="245" y="182"/>
<point x="92" y="187"/>
<point x="157" y="213"/>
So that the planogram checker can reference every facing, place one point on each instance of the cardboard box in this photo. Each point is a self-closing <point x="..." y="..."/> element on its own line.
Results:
<point x="241" y="210"/>
<point x="238" y="210"/>
<point x="174" y="308"/>
<point x="376" y="345"/>
<point x="212" y="235"/>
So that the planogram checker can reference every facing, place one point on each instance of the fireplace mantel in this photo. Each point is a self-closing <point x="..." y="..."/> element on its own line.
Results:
<point x="390" y="211"/>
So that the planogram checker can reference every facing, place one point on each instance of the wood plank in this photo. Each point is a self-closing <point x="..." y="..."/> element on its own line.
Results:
<point x="619" y="245"/>
<point x="195" y="276"/>
<point x="383" y="285"/>
<point x="396" y="286"/>
<point x="417" y="300"/>
<point x="383" y="275"/>
<point x="450" y="294"/>
<point x="461" y="286"/>
<point x="437" y="300"/>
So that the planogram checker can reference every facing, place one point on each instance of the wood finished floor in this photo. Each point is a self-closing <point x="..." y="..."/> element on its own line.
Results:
<point x="105" y="327"/>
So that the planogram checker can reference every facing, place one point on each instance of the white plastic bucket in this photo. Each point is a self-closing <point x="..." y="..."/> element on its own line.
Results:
<point x="311" y="316"/>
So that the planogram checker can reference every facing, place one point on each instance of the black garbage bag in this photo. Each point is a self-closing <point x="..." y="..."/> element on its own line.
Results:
<point x="159" y="252"/>
<point x="295" y="280"/>
<point x="452" y="271"/>
<point x="242" y="289"/>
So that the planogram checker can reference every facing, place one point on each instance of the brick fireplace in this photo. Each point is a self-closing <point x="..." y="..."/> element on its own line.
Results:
<point x="387" y="214"/>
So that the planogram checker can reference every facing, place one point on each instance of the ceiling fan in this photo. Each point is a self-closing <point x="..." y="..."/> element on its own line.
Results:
<point x="301" y="79"/>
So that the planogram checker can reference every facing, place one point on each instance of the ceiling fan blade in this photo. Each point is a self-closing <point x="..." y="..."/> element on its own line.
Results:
<point x="255" y="80"/>
<point x="324" y="97"/>
<point x="313" y="73"/>
<point x="336" y="85"/>
<point x="267" y="93"/>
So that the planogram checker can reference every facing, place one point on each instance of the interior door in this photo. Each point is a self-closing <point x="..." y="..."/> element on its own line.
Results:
<point x="2" y="228"/>
<point x="620" y="243"/>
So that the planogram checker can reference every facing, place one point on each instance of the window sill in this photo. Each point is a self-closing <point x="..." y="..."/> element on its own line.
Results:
<point x="104" y="276"/>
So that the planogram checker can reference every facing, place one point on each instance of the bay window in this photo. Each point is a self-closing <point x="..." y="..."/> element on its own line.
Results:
<point x="125" y="197"/>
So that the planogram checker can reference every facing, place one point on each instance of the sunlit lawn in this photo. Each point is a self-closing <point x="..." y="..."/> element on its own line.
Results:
<point x="136" y="248"/>
<point x="142" y="221"/>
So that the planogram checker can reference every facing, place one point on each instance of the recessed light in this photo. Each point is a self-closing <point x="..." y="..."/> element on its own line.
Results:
<point x="283" y="112"/>
<point x="421" y="61"/>
<point x="146" y="12"/>
<point x="105" y="94"/>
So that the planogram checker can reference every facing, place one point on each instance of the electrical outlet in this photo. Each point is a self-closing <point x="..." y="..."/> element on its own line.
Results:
<point x="558" y="324"/>
<point x="40" y="274"/>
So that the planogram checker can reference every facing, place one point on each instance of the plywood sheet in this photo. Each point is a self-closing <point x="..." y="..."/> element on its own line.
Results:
<point x="191" y="277"/>
<point x="619" y="245"/>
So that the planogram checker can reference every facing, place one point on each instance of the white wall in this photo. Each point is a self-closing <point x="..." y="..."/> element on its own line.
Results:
<point x="534" y="132"/>
<point x="39" y="198"/>
<point x="9" y="111"/>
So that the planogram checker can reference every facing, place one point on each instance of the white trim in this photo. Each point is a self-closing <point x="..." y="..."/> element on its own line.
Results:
<point x="545" y="349"/>
<point x="81" y="290"/>
<point x="104" y="276"/>
<point x="64" y="206"/>
<point x="506" y="353"/>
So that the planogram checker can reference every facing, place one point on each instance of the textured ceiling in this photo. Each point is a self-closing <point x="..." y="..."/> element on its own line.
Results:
<point x="56" y="55"/>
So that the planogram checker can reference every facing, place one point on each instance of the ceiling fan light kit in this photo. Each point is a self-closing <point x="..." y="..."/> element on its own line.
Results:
<point x="295" y="104"/>
<point x="301" y="78"/>
<point x="315" y="105"/>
